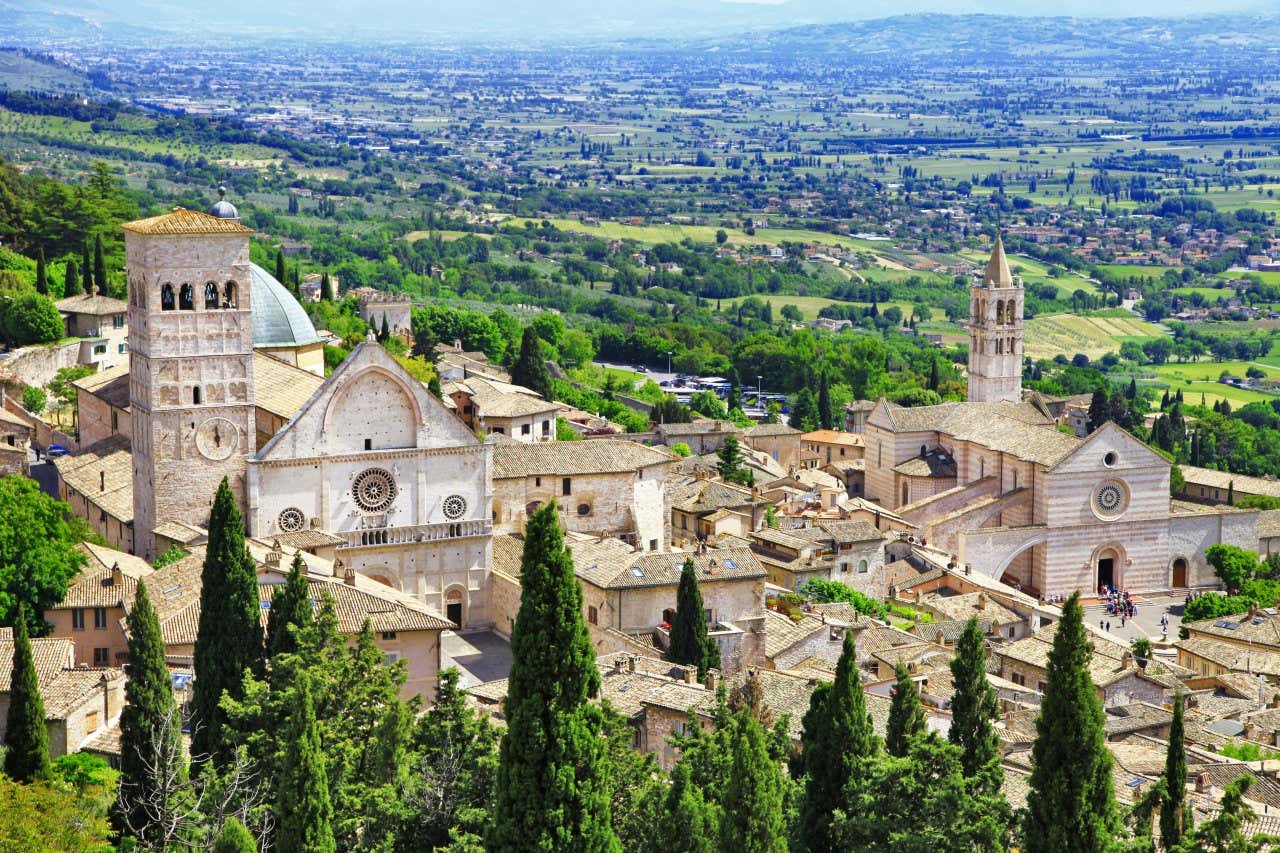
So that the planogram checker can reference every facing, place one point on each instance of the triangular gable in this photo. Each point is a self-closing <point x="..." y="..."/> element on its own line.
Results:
<point x="311" y="432"/>
<point x="1089" y="454"/>
<point x="882" y="415"/>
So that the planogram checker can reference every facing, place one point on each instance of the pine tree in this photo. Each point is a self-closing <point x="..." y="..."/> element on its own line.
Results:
<point x="753" y="820"/>
<point x="86" y="270"/>
<point x="42" y="275"/>
<point x="552" y="786"/>
<point x="690" y="824"/>
<point x="1099" y="410"/>
<point x="234" y="838"/>
<point x="229" y="638"/>
<point x="291" y="610"/>
<point x="530" y="369"/>
<point x="689" y="641"/>
<point x="71" y="279"/>
<point x="26" y="740"/>
<point x="1174" y="816"/>
<point x="836" y="743"/>
<point x="99" y="268"/>
<point x="973" y="707"/>
<point x="906" y="715"/>
<point x="303" y="811"/>
<point x="730" y="465"/>
<point x="826" y="413"/>
<point x="1071" y="805"/>
<point x="149" y="721"/>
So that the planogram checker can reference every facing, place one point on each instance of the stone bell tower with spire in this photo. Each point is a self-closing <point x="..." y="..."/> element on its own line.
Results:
<point x="995" y="332"/>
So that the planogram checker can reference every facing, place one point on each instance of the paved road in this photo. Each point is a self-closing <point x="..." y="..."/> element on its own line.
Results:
<point x="46" y="475"/>
<point x="1147" y="623"/>
<point x="481" y="656"/>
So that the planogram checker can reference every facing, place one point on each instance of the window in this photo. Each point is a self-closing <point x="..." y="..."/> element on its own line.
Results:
<point x="593" y="615"/>
<point x="388" y="635"/>
<point x="121" y="348"/>
<point x="229" y="295"/>
<point x="546" y="427"/>
<point x="390" y="657"/>
<point x="863" y="567"/>
<point x="102" y="656"/>
<point x="1041" y="687"/>
<point x="166" y="297"/>
<point x="653" y="544"/>
<point x="117" y="321"/>
<point x="565" y="486"/>
<point x="99" y="349"/>
<point x="115" y="421"/>
<point x="537" y="482"/>
<point x="844" y="567"/>
<point x="500" y="430"/>
<point x="187" y="298"/>
<point x="195" y="395"/>
<point x="584" y="509"/>
<point x="525" y="429"/>
<point x="906" y="493"/>
<point x="210" y="295"/>
<point x="77" y="619"/>
<point x="91" y="721"/>
<point x="368" y="444"/>
<point x="99" y="618"/>
<point x="706" y="614"/>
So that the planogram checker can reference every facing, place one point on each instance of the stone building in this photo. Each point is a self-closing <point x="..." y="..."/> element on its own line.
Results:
<point x="377" y="306"/>
<point x="494" y="407"/>
<point x="995" y="332"/>
<point x="101" y="322"/>
<point x="15" y="441"/>
<point x="91" y="614"/>
<point x="779" y="441"/>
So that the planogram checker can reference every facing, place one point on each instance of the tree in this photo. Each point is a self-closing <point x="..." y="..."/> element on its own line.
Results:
<point x="38" y="554"/>
<point x="291" y="611"/>
<point x="804" y="412"/>
<point x="326" y="288"/>
<point x="1071" y="805"/>
<point x="234" y="838"/>
<point x="689" y="641"/>
<point x="551" y="791"/>
<point x="906" y="716"/>
<point x="71" y="280"/>
<point x="99" y="268"/>
<point x="721" y="236"/>
<point x="34" y="399"/>
<point x="1175" y="817"/>
<point x="86" y="270"/>
<point x="148" y="737"/>
<point x="973" y="707"/>
<point x="384" y="334"/>
<point x="752" y="821"/>
<point x="1099" y="409"/>
<point x="302" y="804"/>
<point x="530" y="369"/>
<point x="836" y="743"/>
<point x="280" y="273"/>
<point x="48" y="816"/>
<point x="1232" y="564"/>
<point x="730" y="465"/>
<point x="690" y="824"/>
<point x="229" y="637"/>
<point x="826" y="411"/>
<point x="42" y="275"/>
<point x="26" y="741"/>
<point x="32" y="319"/>
<point x="1224" y="833"/>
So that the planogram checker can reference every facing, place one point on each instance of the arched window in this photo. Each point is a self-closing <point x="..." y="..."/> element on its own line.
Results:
<point x="999" y="346"/>
<point x="166" y="297"/>
<point x="906" y="493"/>
<point x="210" y="295"/>
<point x="229" y="295"/>
<point x="195" y="394"/>
<point x="1000" y="311"/>
<point x="187" y="298"/>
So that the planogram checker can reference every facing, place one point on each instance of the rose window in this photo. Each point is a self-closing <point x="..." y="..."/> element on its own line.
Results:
<point x="455" y="506"/>
<point x="292" y="520"/>
<point x="374" y="490"/>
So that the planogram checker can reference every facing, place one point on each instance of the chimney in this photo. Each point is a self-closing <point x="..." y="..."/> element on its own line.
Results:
<point x="117" y="576"/>
<point x="102" y="481"/>
<point x="710" y="682"/>
<point x="982" y="601"/>
<point x="1202" y="783"/>
<point x="105" y="684"/>
<point x="631" y="663"/>
<point x="620" y="663"/>
<point x="691" y="675"/>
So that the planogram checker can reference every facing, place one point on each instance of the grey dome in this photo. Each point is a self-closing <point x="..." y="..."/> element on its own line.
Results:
<point x="224" y="209"/>
<point x="278" y="319"/>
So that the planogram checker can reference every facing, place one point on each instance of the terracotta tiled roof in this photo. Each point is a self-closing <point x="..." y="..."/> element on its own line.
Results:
<point x="768" y="430"/>
<point x="570" y="458"/>
<point x="111" y="385"/>
<point x="95" y="586"/>
<point x="103" y="473"/>
<point x="95" y="305"/>
<point x="183" y="221"/>
<point x="782" y="632"/>
<point x="62" y="687"/>
<point x="707" y="496"/>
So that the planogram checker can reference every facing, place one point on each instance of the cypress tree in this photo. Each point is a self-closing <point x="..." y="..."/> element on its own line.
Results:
<point x="229" y="638"/>
<point x="99" y="268"/>
<point x="690" y="824"/>
<point x="303" y="810"/>
<point x="934" y="379"/>
<point x="1231" y="493"/>
<point x="689" y="641"/>
<point x="552" y="789"/>
<point x="149" y="722"/>
<point x="804" y="411"/>
<point x="836" y="743"/>
<point x="290" y="609"/>
<point x="730" y="465"/>
<point x="530" y="369"/>
<point x="42" y="275"/>
<point x="86" y="270"/>
<point x="1174" y="820"/>
<point x="826" y="416"/>
<point x="71" y="279"/>
<point x="280" y="274"/>
<point x="385" y="334"/>
<point x="973" y="707"/>
<point x="906" y="715"/>
<point x="326" y="287"/>
<point x="1071" y="805"/>
<point x="753" y="820"/>
<point x="26" y="740"/>
<point x="234" y="838"/>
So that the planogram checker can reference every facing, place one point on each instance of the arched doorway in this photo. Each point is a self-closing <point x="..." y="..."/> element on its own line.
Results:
<point x="1108" y="566"/>
<point x="1179" y="579"/>
<point x="454" y="605"/>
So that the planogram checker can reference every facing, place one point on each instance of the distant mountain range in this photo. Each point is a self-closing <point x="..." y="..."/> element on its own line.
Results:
<point x="536" y="21"/>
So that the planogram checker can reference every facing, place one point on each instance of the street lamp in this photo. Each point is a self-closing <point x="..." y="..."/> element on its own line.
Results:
<point x="759" y="391"/>
<point x="668" y="363"/>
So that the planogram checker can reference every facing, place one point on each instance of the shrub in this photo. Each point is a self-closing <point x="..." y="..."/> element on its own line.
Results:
<point x="31" y="319"/>
<point x="34" y="399"/>
<point x="824" y="590"/>
<point x="1212" y="605"/>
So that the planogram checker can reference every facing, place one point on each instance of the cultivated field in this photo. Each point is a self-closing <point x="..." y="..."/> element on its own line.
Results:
<point x="1068" y="334"/>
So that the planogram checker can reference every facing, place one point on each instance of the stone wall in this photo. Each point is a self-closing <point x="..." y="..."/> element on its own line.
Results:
<point x="504" y="601"/>
<point x="38" y="365"/>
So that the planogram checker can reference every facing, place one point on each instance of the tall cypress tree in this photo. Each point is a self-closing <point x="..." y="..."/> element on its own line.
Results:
<point x="99" y="268"/>
<point x="385" y="334"/>
<point x="1173" y="812"/>
<point x="689" y="641"/>
<point x="552" y="789"/>
<point x="826" y="413"/>
<point x="1071" y="805"/>
<point x="229" y="639"/>
<point x="973" y="707"/>
<point x="836" y="742"/>
<point x="753" y="819"/>
<point x="906" y="715"/>
<point x="326" y="287"/>
<point x="26" y="740"/>
<point x="304" y="813"/>
<point x="71" y="279"/>
<point x="42" y="275"/>
<point x="280" y="275"/>
<point x="149" y="723"/>
<point x="530" y="369"/>
<point x="86" y="270"/>
<point x="290" y="609"/>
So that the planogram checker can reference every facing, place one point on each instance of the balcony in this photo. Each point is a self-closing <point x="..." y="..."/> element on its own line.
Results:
<point x="375" y="537"/>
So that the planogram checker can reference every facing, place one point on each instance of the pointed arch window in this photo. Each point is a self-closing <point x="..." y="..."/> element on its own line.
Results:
<point x="187" y="298"/>
<point x="1000" y="311"/>
<point x="210" y="295"/>
<point x="229" y="295"/>
<point x="166" y="297"/>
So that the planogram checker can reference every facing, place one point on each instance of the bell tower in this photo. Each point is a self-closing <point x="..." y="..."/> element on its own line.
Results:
<point x="190" y="365"/>
<point x="995" y="332"/>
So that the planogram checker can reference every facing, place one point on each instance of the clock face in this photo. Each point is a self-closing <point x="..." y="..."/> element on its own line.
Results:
<point x="1110" y="498"/>
<point x="217" y="438"/>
